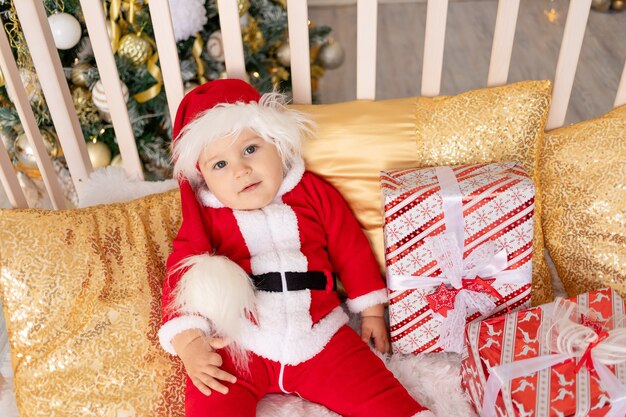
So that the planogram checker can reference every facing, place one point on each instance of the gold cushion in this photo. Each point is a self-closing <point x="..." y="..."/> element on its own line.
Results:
<point x="81" y="292"/>
<point x="358" y="139"/>
<point x="583" y="172"/>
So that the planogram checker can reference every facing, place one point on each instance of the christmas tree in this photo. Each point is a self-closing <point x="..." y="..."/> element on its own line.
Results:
<point x="198" y="37"/>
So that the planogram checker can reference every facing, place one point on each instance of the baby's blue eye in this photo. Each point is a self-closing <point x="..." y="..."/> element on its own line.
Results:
<point x="250" y="149"/>
<point x="219" y="165"/>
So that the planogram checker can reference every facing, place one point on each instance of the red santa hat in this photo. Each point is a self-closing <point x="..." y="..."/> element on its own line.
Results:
<point x="226" y="107"/>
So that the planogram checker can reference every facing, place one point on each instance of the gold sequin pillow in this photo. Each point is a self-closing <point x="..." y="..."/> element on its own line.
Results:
<point x="490" y="125"/>
<point x="81" y="292"/>
<point x="583" y="172"/>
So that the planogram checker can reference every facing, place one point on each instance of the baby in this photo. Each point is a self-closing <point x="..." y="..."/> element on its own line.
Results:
<point x="249" y="301"/>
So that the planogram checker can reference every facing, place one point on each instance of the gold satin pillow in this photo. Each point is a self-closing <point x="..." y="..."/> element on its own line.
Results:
<point x="355" y="141"/>
<point x="81" y="292"/>
<point x="358" y="139"/>
<point x="583" y="172"/>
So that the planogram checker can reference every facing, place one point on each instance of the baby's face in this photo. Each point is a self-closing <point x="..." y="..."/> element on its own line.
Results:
<point x="244" y="174"/>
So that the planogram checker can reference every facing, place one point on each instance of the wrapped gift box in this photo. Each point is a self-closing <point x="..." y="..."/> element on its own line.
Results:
<point x="536" y="378"/>
<point x="487" y="207"/>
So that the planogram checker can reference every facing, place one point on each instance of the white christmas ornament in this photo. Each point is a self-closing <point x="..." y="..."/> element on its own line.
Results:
<point x="66" y="30"/>
<point x="188" y="17"/>
<point x="99" y="98"/>
<point x="214" y="46"/>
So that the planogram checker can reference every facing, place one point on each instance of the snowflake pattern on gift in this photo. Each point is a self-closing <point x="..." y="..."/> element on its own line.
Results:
<point x="393" y="232"/>
<point x="483" y="218"/>
<point x="518" y="196"/>
<point x="416" y="259"/>
<point x="520" y="236"/>
<point x="428" y="331"/>
<point x="409" y="222"/>
<point x="426" y="210"/>
<point x="500" y="207"/>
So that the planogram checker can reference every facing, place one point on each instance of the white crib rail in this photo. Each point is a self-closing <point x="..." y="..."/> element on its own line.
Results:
<point x="55" y="89"/>
<point x="571" y="45"/>
<point x="94" y="18"/>
<point x="503" y="37"/>
<point x="29" y="124"/>
<point x="47" y="63"/>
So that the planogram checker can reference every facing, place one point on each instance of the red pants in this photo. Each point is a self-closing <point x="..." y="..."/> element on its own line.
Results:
<point x="346" y="377"/>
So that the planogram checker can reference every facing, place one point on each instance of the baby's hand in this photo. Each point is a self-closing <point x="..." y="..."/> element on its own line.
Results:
<point x="374" y="327"/>
<point x="202" y="364"/>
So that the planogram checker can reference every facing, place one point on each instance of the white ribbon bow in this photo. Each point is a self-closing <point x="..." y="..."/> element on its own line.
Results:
<point x="447" y="249"/>
<point x="571" y="340"/>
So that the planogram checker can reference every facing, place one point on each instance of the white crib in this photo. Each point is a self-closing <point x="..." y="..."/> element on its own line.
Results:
<point x="47" y="63"/>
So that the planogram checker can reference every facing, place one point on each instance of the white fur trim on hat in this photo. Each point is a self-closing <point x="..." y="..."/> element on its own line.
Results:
<point x="178" y="325"/>
<point x="269" y="118"/>
<point x="216" y="288"/>
<point x="425" y="413"/>
<point x="358" y="304"/>
<point x="293" y="177"/>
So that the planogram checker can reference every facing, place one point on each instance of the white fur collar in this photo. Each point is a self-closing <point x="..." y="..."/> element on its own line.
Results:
<point x="293" y="177"/>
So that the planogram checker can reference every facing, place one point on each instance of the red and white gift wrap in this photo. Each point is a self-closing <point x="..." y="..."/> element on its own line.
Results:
<point x="565" y="359"/>
<point x="458" y="248"/>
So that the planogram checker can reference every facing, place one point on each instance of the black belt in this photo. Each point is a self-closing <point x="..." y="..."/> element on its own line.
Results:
<point x="296" y="281"/>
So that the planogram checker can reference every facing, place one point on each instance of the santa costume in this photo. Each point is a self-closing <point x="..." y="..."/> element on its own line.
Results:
<point x="266" y="277"/>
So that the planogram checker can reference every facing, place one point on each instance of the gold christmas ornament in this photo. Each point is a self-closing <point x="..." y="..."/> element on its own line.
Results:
<point x="99" y="154"/>
<point x="252" y="36"/>
<point x="26" y="154"/>
<point x="243" y="6"/>
<point x="283" y="54"/>
<point x="134" y="48"/>
<point x="31" y="85"/>
<point x="215" y="47"/>
<point x="85" y="109"/>
<point x="117" y="161"/>
<point x="79" y="73"/>
<point x="601" y="5"/>
<point x="618" y="5"/>
<point x="282" y="3"/>
<point x="99" y="98"/>
<point x="331" y="55"/>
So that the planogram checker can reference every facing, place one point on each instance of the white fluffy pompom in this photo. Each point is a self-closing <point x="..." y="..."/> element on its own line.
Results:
<point x="188" y="17"/>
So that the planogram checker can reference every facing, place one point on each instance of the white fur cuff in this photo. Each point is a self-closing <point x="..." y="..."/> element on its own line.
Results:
<point x="178" y="325"/>
<point x="356" y="305"/>
<point x="425" y="413"/>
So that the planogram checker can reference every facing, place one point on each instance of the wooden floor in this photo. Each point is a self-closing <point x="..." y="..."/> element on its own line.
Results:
<point x="467" y="50"/>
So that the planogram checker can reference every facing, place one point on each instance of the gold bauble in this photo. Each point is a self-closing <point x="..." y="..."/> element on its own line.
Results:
<point x="85" y="109"/>
<point x="243" y="6"/>
<point x="618" y="5"/>
<point x="117" y="161"/>
<point x="282" y="3"/>
<point x="283" y="54"/>
<point x="99" y="154"/>
<point x="79" y="74"/>
<point x="26" y="154"/>
<point x="134" y="48"/>
<point x="252" y="36"/>
<point x="601" y="5"/>
<point x="31" y="85"/>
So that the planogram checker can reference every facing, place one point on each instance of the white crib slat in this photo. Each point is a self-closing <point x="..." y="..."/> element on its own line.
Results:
<point x="573" y="35"/>
<point x="231" y="38"/>
<point x="298" y="18"/>
<point x="503" y="37"/>
<point x="620" y="97"/>
<point x="29" y="124"/>
<point x="48" y="65"/>
<point x="436" y="16"/>
<point x="9" y="180"/>
<point x="95" y="19"/>
<point x="366" y="27"/>
<point x="168" y="54"/>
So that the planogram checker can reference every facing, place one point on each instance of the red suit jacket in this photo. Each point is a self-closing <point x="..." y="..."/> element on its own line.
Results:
<point x="308" y="227"/>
